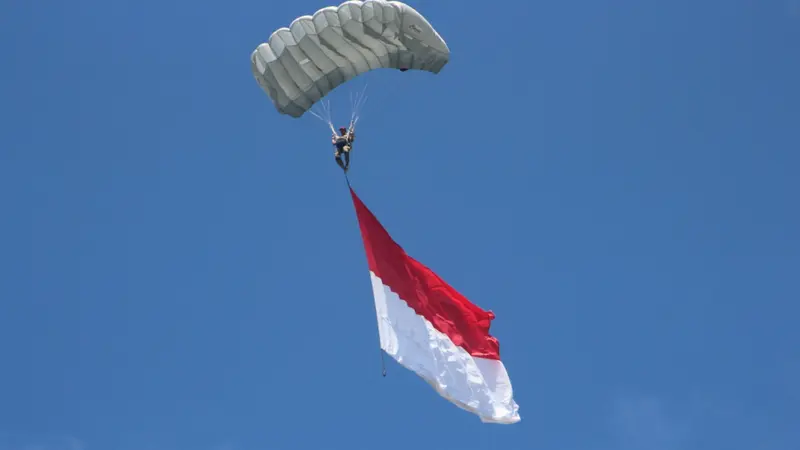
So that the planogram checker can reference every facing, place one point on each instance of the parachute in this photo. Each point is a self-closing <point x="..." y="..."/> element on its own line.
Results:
<point x="301" y="64"/>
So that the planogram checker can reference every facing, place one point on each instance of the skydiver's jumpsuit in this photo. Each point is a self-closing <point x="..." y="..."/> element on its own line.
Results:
<point x="343" y="146"/>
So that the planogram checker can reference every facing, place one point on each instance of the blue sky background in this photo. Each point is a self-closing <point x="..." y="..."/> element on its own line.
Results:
<point x="181" y="266"/>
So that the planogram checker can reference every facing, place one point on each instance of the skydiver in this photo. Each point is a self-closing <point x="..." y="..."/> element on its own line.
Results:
<point x="343" y="144"/>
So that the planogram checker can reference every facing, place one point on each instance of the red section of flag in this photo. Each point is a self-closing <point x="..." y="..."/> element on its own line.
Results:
<point x="426" y="293"/>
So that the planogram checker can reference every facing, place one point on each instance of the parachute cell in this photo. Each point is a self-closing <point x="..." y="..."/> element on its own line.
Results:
<point x="300" y="64"/>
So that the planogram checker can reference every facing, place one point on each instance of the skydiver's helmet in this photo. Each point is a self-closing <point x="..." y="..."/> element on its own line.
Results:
<point x="343" y="130"/>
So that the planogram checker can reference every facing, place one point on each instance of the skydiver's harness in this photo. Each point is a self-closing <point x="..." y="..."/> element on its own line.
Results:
<point x="342" y="141"/>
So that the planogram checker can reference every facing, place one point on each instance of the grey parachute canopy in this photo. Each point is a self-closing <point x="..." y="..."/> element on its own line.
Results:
<point x="300" y="64"/>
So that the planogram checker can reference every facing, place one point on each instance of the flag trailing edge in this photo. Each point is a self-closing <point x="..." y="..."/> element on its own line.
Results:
<point x="430" y="328"/>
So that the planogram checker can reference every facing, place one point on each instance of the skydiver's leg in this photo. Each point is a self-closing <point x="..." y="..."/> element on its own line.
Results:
<point x="338" y="155"/>
<point x="347" y="159"/>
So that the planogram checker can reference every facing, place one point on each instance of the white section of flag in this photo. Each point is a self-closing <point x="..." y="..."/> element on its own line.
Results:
<point x="478" y="385"/>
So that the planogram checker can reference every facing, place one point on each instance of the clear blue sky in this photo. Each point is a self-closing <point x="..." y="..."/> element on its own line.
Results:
<point x="181" y="268"/>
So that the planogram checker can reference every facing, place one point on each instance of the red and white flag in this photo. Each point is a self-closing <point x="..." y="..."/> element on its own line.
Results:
<point x="431" y="329"/>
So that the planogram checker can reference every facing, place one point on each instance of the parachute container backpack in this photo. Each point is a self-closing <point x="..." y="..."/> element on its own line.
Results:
<point x="301" y="64"/>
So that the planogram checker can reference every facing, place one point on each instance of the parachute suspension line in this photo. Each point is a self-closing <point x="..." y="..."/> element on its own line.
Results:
<point x="357" y="101"/>
<point x="358" y="116"/>
<point x="326" y="114"/>
<point x="383" y="360"/>
<point x="352" y="111"/>
<point x="319" y="117"/>
<point x="356" y="105"/>
<point x="327" y="104"/>
<point x="352" y="106"/>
